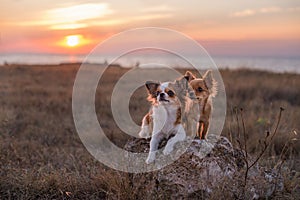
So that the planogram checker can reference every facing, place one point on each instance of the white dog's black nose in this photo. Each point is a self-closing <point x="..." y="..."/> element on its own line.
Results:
<point x="162" y="97"/>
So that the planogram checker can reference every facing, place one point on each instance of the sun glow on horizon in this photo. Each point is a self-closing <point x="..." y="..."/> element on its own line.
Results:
<point x="73" y="40"/>
<point x="75" y="43"/>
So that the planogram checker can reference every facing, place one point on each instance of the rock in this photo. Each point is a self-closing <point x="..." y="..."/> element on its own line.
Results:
<point x="206" y="169"/>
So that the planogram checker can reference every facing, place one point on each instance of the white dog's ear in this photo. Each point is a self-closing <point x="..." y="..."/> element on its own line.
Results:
<point x="210" y="82"/>
<point x="152" y="86"/>
<point x="189" y="76"/>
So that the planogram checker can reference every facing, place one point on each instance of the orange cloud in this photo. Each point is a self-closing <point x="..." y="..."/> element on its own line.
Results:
<point x="75" y="15"/>
<point x="161" y="8"/>
<point x="266" y="10"/>
<point x="71" y="17"/>
<point x="244" y="13"/>
<point x="270" y="10"/>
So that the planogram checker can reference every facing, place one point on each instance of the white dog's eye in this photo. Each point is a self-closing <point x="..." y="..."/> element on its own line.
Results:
<point x="170" y="93"/>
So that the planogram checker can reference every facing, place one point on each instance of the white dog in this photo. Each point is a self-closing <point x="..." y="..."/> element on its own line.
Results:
<point x="163" y="119"/>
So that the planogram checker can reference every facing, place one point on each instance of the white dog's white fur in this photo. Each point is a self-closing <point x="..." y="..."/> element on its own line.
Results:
<point x="164" y="118"/>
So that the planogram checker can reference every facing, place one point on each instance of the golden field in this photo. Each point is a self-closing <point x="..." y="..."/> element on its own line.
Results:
<point x="42" y="156"/>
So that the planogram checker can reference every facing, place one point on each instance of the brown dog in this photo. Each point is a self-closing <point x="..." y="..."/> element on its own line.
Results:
<point x="205" y="88"/>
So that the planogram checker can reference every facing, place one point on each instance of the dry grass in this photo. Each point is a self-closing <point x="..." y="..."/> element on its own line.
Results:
<point x="42" y="156"/>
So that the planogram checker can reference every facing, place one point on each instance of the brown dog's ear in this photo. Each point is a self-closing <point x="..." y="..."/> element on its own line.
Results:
<point x="152" y="86"/>
<point x="210" y="82"/>
<point x="189" y="76"/>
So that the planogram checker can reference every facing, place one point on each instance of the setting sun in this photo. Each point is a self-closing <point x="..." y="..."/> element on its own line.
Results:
<point x="76" y="43"/>
<point x="73" y="40"/>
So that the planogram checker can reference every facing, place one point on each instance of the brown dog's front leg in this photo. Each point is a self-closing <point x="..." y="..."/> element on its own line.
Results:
<point x="200" y="130"/>
<point x="204" y="130"/>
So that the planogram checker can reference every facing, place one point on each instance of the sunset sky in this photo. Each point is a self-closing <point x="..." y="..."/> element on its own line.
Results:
<point x="231" y="27"/>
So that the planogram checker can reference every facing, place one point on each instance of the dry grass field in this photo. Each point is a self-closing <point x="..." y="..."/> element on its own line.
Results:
<point x="42" y="157"/>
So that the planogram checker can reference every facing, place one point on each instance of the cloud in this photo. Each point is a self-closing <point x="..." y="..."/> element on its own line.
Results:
<point x="71" y="17"/>
<point x="68" y="26"/>
<point x="266" y="10"/>
<point x="294" y="9"/>
<point x="107" y="22"/>
<point x="92" y="14"/>
<point x="270" y="10"/>
<point x="78" y="12"/>
<point x="161" y="8"/>
<point x="244" y="13"/>
<point x="153" y="16"/>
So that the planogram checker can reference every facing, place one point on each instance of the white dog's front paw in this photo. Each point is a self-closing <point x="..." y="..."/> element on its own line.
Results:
<point x="167" y="150"/>
<point x="150" y="158"/>
<point x="144" y="133"/>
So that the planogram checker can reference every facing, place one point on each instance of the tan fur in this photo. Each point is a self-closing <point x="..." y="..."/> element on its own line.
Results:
<point x="178" y="118"/>
<point x="205" y="89"/>
<point x="192" y="116"/>
<point x="189" y="108"/>
<point x="149" y="120"/>
<point x="152" y="88"/>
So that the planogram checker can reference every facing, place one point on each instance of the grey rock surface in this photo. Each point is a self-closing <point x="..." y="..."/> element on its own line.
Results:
<point x="207" y="168"/>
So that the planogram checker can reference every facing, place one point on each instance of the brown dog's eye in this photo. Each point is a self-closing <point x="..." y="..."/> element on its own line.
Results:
<point x="170" y="93"/>
<point x="200" y="89"/>
<point x="157" y="93"/>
